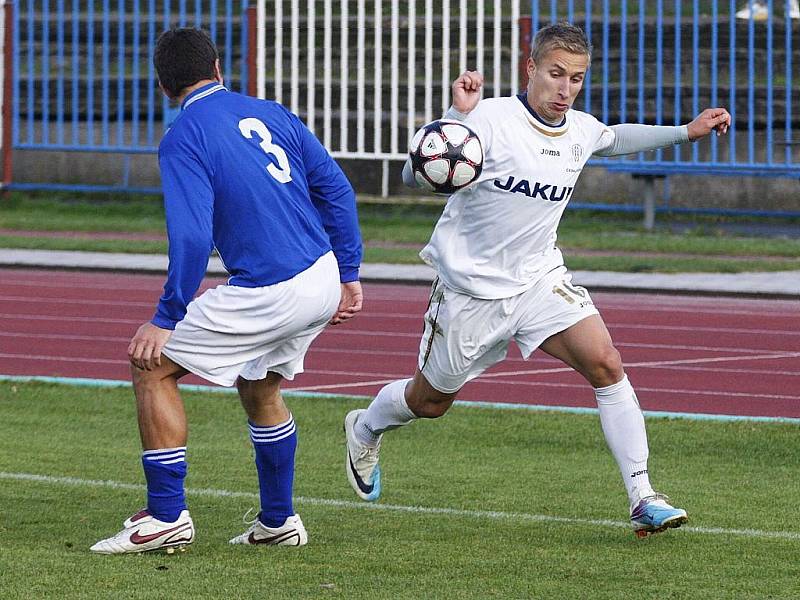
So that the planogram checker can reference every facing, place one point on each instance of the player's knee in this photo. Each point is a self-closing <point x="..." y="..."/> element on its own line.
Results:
<point x="430" y="405"/>
<point x="606" y="369"/>
<point x="142" y="378"/>
<point x="425" y="401"/>
<point x="432" y="408"/>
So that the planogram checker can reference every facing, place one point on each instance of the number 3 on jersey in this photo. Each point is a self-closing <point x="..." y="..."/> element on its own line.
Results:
<point x="250" y="126"/>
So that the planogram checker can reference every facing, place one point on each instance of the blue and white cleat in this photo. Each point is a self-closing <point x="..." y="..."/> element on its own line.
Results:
<point x="653" y="514"/>
<point x="361" y="462"/>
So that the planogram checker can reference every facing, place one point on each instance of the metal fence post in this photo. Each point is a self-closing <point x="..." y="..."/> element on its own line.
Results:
<point x="8" y="90"/>
<point x="649" y="198"/>
<point x="649" y="202"/>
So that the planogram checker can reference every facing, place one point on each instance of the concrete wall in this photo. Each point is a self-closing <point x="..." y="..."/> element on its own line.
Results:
<point x="595" y="185"/>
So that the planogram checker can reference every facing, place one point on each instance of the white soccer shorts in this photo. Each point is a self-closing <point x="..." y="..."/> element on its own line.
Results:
<point x="464" y="336"/>
<point x="231" y="331"/>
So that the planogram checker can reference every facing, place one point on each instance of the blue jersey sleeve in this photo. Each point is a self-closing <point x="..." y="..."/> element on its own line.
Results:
<point x="189" y="208"/>
<point x="335" y="201"/>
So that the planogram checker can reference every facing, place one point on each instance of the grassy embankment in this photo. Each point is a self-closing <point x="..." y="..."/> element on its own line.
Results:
<point x="395" y="233"/>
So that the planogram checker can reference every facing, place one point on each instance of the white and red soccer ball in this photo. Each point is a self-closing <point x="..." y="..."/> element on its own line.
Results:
<point x="446" y="156"/>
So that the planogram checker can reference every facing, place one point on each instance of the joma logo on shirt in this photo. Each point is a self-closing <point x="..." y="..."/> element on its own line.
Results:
<point x="545" y="191"/>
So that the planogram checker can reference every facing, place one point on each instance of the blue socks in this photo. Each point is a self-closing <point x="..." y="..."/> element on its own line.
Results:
<point x="165" y="470"/>
<point x="275" y="447"/>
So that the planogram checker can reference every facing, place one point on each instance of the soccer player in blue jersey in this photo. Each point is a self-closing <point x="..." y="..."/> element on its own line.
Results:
<point x="246" y="177"/>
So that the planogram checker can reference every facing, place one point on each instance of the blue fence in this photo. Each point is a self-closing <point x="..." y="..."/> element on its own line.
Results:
<point x="83" y="81"/>
<point x="83" y="76"/>
<point x="663" y="62"/>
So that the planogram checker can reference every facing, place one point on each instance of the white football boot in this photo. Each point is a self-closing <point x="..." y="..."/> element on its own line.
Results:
<point x="143" y="532"/>
<point x="291" y="533"/>
<point x="361" y="462"/>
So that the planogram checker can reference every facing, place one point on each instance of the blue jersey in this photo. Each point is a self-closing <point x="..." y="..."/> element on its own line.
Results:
<point x="245" y="176"/>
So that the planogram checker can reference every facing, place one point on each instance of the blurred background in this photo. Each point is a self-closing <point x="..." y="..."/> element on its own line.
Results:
<point x="81" y="109"/>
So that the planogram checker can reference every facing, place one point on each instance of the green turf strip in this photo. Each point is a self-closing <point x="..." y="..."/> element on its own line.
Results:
<point x="396" y="232"/>
<point x="729" y="476"/>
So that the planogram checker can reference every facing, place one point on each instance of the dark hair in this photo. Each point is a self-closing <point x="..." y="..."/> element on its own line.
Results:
<point x="184" y="56"/>
<point x="563" y="35"/>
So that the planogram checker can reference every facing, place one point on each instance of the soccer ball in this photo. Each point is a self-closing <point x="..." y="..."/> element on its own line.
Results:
<point x="446" y="156"/>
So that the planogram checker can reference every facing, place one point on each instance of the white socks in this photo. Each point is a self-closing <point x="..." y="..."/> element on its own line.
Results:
<point x="387" y="411"/>
<point x="623" y="426"/>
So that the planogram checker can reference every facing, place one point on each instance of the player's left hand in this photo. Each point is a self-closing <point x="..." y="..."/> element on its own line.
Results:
<point x="711" y="119"/>
<point x="144" y="351"/>
<point x="350" y="304"/>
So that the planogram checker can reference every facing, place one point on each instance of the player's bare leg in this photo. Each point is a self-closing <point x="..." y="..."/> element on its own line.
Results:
<point x="262" y="400"/>
<point x="159" y="407"/>
<point x="397" y="404"/>
<point x="274" y="437"/>
<point x="165" y="524"/>
<point x="587" y="348"/>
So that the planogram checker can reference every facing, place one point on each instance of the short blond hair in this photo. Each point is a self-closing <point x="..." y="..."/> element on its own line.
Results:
<point x="561" y="35"/>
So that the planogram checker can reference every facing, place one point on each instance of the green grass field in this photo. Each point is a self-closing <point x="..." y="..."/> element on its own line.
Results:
<point x="395" y="234"/>
<point x="486" y="503"/>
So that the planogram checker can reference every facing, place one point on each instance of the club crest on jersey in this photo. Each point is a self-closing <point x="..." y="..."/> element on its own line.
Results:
<point x="545" y="191"/>
<point x="577" y="152"/>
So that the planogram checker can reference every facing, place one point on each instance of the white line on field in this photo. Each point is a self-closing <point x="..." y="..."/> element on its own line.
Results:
<point x="425" y="510"/>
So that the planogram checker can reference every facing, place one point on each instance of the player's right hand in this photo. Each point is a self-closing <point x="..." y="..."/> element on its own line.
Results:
<point x="350" y="304"/>
<point x="467" y="91"/>
<point x="144" y="351"/>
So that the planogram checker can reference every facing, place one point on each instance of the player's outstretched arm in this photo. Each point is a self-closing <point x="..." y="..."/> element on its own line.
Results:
<point x="350" y="304"/>
<point x="628" y="138"/>
<point x="711" y="119"/>
<point x="467" y="91"/>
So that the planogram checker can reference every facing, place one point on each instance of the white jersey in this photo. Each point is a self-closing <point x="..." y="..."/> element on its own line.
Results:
<point x="497" y="238"/>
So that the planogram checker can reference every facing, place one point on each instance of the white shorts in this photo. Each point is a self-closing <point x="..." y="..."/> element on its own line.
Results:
<point x="232" y="331"/>
<point x="464" y="336"/>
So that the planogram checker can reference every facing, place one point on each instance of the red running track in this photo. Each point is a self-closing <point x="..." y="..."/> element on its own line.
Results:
<point x="683" y="354"/>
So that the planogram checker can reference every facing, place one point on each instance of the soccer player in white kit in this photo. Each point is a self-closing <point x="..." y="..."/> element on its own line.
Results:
<point x="501" y="276"/>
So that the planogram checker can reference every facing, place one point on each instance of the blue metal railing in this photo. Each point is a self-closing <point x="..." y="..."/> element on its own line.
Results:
<point x="678" y="71"/>
<point x="83" y="78"/>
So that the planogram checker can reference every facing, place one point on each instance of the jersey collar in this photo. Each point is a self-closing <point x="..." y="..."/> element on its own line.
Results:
<point x="202" y="92"/>
<point x="538" y="123"/>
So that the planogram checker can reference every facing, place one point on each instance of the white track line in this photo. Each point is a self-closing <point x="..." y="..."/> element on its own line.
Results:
<point x="654" y="363"/>
<point x="421" y="510"/>
<point x="416" y="334"/>
<point x="388" y="378"/>
<point x="66" y="319"/>
<point x="766" y="372"/>
<point x="689" y="328"/>
<point x="317" y="347"/>
<point x="502" y="374"/>
<point x="544" y="384"/>
<point x="78" y="359"/>
<point x="643" y="301"/>
<point x="81" y="301"/>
